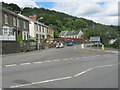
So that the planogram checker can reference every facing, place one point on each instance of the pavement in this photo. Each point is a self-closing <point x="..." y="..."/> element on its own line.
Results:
<point x="60" y="68"/>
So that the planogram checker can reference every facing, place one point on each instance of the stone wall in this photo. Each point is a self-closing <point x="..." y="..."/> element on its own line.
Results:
<point x="10" y="47"/>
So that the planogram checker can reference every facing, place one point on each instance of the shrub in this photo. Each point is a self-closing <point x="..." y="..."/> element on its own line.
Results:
<point x="117" y="44"/>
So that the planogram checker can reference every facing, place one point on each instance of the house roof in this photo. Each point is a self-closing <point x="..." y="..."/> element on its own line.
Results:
<point x="13" y="13"/>
<point x="68" y="33"/>
<point x="62" y="33"/>
<point x="34" y="21"/>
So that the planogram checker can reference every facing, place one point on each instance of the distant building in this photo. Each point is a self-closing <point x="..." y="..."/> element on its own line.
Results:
<point x="14" y="29"/>
<point x="71" y="34"/>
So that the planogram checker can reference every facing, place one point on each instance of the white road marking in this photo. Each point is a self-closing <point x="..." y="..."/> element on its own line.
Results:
<point x="65" y="59"/>
<point x="47" y="61"/>
<point x="25" y="63"/>
<point x="71" y="58"/>
<point x="10" y="65"/>
<point x="37" y="62"/>
<point x="56" y="60"/>
<point x="105" y="66"/>
<point x="45" y="81"/>
<point x="97" y="55"/>
<point x="83" y="72"/>
<point x="83" y="57"/>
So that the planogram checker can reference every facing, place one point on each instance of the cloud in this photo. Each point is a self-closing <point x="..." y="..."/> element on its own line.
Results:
<point x="21" y="3"/>
<point x="106" y="13"/>
<point x="76" y="0"/>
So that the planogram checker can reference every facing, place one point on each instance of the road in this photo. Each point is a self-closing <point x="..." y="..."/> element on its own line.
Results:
<point x="60" y="68"/>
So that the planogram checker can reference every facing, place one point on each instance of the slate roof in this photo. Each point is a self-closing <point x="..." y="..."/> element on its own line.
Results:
<point x="68" y="33"/>
<point x="62" y="33"/>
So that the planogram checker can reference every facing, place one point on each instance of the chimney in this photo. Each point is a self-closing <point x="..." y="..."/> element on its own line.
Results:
<point x="33" y="17"/>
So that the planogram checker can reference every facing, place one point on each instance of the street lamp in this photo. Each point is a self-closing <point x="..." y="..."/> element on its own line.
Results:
<point x="38" y="33"/>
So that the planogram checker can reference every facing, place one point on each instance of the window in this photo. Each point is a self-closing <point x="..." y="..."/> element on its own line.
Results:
<point x="7" y="31"/>
<point x="40" y="28"/>
<point x="25" y="35"/>
<point x="14" y="21"/>
<point x="6" y="19"/>
<point x="24" y="24"/>
<point x="18" y="23"/>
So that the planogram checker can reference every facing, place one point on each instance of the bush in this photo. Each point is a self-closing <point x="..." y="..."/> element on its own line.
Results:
<point x="109" y="45"/>
<point x="117" y="44"/>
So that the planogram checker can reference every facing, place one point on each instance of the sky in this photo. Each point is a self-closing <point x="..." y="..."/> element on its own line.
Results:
<point x="100" y="11"/>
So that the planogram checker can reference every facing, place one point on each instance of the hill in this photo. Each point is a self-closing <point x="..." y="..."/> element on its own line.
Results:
<point x="60" y="21"/>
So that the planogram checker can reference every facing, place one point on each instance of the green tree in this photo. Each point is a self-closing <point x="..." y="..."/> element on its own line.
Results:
<point x="80" y="24"/>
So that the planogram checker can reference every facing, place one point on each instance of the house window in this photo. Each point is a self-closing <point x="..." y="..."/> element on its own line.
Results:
<point x="25" y="35"/>
<point x="14" y="21"/>
<point x="24" y="24"/>
<point x="7" y="31"/>
<point x="18" y="23"/>
<point x="6" y="19"/>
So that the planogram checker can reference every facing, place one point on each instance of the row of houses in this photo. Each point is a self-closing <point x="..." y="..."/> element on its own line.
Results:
<point x="17" y="30"/>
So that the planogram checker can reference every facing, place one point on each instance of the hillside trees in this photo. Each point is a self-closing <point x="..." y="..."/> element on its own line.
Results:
<point x="105" y="32"/>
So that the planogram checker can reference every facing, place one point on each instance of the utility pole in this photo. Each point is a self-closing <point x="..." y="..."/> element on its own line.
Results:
<point x="38" y="43"/>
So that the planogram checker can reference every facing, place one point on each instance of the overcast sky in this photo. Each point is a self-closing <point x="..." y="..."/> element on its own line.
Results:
<point x="101" y="11"/>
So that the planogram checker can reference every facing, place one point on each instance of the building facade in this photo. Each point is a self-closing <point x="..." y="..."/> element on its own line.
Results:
<point x="39" y="31"/>
<point x="15" y="30"/>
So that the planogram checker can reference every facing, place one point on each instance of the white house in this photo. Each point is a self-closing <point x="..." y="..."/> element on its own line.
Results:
<point x="71" y="34"/>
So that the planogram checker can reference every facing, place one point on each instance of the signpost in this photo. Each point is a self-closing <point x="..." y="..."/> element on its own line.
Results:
<point x="95" y="39"/>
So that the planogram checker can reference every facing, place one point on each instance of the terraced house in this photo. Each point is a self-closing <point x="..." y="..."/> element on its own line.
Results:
<point x="38" y="31"/>
<point x="15" y="32"/>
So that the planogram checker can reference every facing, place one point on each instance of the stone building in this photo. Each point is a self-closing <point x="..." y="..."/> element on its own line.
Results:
<point x="14" y="33"/>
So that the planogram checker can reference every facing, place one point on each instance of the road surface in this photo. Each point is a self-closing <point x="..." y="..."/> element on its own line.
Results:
<point x="60" y="68"/>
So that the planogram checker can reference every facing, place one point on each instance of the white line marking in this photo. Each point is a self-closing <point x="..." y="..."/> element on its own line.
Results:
<point x="105" y="66"/>
<point x="25" y="63"/>
<point x="37" y="62"/>
<point x="97" y="55"/>
<point x="83" y="57"/>
<point x="47" y="61"/>
<point x="56" y="60"/>
<point x="83" y="72"/>
<point x="10" y="65"/>
<point x="65" y="59"/>
<point x="45" y="81"/>
<point x="71" y="58"/>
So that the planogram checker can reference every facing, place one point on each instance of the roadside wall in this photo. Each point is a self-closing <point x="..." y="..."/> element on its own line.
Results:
<point x="10" y="47"/>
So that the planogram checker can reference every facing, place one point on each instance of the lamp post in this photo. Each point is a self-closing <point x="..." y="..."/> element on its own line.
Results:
<point x="38" y="43"/>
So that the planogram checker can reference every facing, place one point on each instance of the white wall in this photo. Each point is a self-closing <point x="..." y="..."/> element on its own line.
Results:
<point x="32" y="29"/>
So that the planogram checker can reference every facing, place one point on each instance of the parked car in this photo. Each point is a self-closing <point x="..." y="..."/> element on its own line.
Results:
<point x="59" y="45"/>
<point x="70" y="44"/>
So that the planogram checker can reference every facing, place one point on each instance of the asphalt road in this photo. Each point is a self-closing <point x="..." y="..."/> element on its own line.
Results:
<point x="60" y="68"/>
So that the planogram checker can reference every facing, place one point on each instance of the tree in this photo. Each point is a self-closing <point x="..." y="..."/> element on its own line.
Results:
<point x="105" y="32"/>
<point x="15" y="7"/>
<point x="80" y="24"/>
<point x="56" y="34"/>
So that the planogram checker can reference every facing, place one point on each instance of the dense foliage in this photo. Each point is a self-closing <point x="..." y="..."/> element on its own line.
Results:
<point x="61" y="21"/>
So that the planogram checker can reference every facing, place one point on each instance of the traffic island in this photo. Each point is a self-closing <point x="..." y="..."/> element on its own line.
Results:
<point x="91" y="51"/>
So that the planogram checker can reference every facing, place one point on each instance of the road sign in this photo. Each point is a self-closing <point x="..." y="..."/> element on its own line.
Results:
<point x="95" y="39"/>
